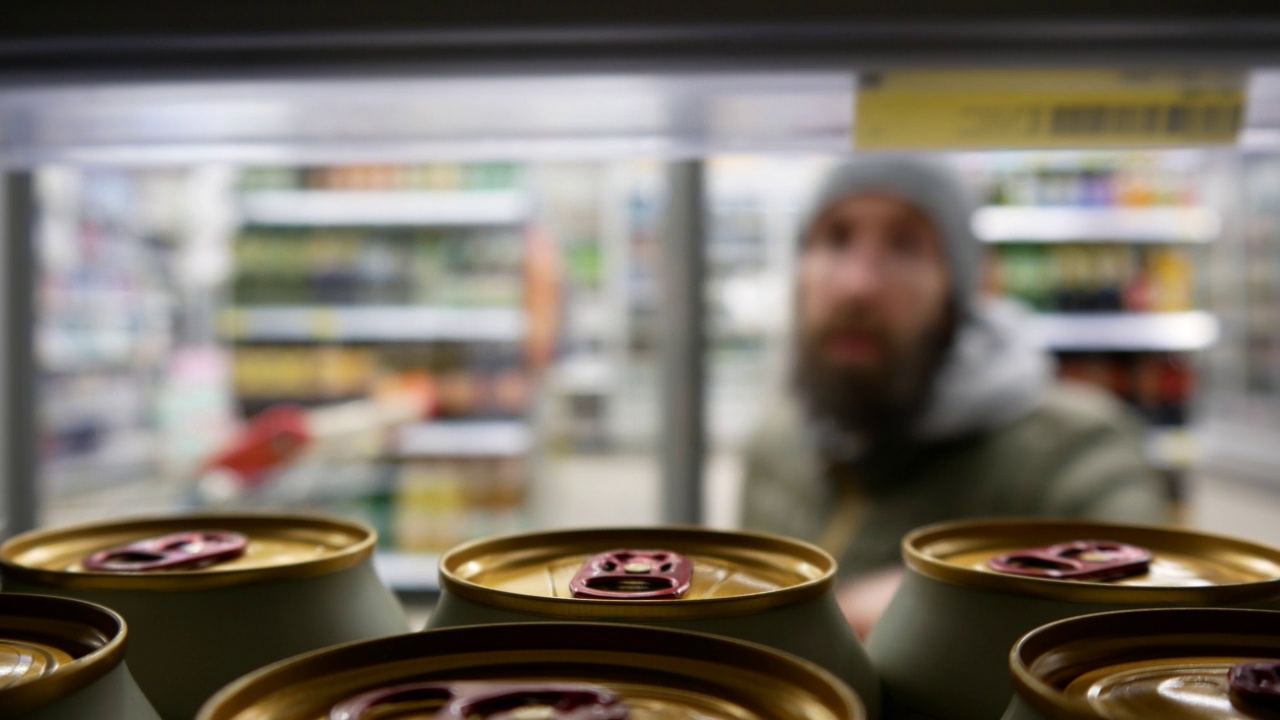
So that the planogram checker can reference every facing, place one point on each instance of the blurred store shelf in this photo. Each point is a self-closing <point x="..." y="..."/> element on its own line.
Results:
<point x="408" y="572"/>
<point x="586" y="374"/>
<point x="1154" y="332"/>
<point x="1073" y="224"/>
<point x="383" y="323"/>
<point x="397" y="207"/>
<point x="1173" y="448"/>
<point x="460" y="439"/>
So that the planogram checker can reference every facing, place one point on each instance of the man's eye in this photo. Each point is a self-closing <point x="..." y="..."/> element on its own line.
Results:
<point x="832" y="240"/>
<point x="907" y="243"/>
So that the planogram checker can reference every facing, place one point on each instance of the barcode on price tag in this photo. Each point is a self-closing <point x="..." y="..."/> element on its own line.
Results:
<point x="1047" y="109"/>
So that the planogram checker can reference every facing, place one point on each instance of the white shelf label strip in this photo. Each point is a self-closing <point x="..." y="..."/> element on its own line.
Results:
<point x="333" y="207"/>
<point x="465" y="439"/>
<point x="1067" y="224"/>
<point x="1173" y="332"/>
<point x="381" y="323"/>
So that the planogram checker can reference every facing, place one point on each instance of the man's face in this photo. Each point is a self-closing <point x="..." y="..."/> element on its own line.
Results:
<point x="872" y="308"/>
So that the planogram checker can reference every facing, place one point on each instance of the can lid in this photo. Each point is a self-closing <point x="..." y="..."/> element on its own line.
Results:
<point x="1095" y="562"/>
<point x="507" y="670"/>
<point x="467" y="700"/>
<point x="186" y="552"/>
<point x="688" y="572"/>
<point x="51" y="647"/>
<point x="1174" y="664"/>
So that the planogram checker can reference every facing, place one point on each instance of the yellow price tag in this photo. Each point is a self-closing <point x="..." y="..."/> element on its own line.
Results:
<point x="925" y="109"/>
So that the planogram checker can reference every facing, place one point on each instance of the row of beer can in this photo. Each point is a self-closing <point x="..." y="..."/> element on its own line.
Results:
<point x="281" y="617"/>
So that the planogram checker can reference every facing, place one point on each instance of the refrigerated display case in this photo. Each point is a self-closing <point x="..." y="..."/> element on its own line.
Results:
<point x="338" y="209"/>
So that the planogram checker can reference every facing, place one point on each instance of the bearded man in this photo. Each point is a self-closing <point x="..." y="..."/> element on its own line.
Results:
<point x="914" y="400"/>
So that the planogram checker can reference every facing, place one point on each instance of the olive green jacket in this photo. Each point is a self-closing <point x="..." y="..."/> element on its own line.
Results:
<point x="1078" y="453"/>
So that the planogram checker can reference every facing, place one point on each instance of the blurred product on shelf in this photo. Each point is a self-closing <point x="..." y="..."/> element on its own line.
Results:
<point x="436" y="176"/>
<point x="448" y="268"/>
<point x="441" y="503"/>
<point x="282" y="433"/>
<point x="471" y="381"/>
<point x="1094" y="182"/>
<point x="1160" y="386"/>
<point x="1095" y="277"/>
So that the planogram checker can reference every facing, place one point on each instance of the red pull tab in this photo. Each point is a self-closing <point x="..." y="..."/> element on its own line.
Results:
<point x="497" y="701"/>
<point x="184" y="550"/>
<point x="633" y="575"/>
<point x="1256" y="684"/>
<point x="1077" y="560"/>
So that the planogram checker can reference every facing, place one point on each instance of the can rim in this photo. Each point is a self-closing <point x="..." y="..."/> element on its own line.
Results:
<point x="1212" y="623"/>
<point x="77" y="674"/>
<point x="917" y="558"/>
<point x="493" y="642"/>
<point x="188" y="580"/>
<point x="677" y="538"/>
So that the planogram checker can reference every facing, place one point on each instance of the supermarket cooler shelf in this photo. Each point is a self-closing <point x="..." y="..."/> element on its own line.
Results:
<point x="1005" y="223"/>
<point x="382" y="323"/>
<point x="1139" y="332"/>
<point x="305" y="208"/>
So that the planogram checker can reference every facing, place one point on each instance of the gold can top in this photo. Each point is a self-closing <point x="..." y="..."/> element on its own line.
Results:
<point x="51" y="647"/>
<point x="1172" y="664"/>
<point x="637" y="572"/>
<point x="654" y="674"/>
<point x="186" y="552"/>
<point x="1149" y="564"/>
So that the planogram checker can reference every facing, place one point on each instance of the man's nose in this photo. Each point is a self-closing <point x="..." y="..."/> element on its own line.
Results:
<point x="858" y="272"/>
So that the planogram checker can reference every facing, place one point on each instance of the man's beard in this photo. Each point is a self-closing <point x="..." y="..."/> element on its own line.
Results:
<point x="879" y="403"/>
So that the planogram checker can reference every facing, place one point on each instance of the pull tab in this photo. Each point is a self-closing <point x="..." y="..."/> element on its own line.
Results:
<point x="1256" y="684"/>
<point x="497" y="701"/>
<point x="1077" y="560"/>
<point x="184" y="550"/>
<point x="633" y="575"/>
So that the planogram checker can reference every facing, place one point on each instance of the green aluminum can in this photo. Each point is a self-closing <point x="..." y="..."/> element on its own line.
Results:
<point x="973" y="588"/>
<point x="540" y="671"/>
<point x="759" y="588"/>
<point x="211" y="597"/>
<point x="64" y="660"/>
<point x="1183" y="664"/>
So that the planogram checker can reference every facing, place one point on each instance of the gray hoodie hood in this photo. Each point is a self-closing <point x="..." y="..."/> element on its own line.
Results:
<point x="994" y="373"/>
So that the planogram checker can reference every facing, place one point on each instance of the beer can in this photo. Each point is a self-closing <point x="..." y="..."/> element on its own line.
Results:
<point x="64" y="660"/>
<point x="540" y="671"/>
<point x="1184" y="664"/>
<point x="972" y="588"/>
<point x="760" y="588"/>
<point x="211" y="597"/>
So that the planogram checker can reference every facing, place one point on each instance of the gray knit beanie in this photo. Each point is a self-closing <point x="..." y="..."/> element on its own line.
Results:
<point x="934" y="188"/>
